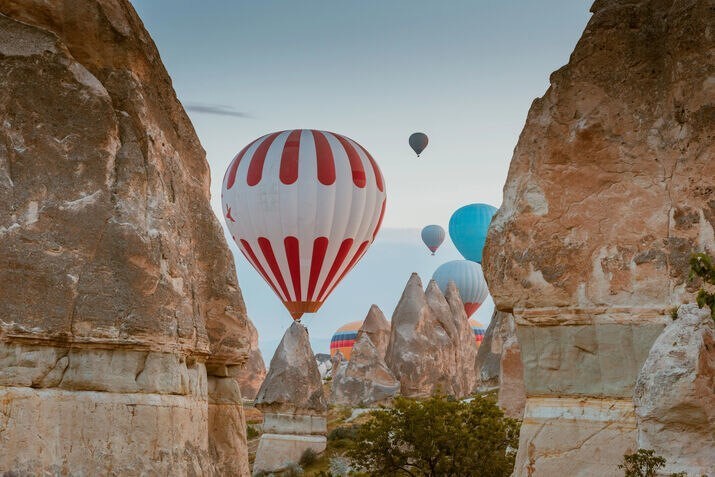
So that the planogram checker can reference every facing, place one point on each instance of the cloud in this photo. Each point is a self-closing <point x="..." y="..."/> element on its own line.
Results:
<point x="216" y="109"/>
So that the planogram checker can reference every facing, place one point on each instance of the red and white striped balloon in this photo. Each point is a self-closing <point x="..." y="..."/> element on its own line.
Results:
<point x="303" y="206"/>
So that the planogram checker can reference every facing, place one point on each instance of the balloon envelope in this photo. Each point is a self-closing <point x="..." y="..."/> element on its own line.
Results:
<point x="468" y="229"/>
<point x="433" y="236"/>
<point x="468" y="277"/>
<point x="478" y="330"/>
<point x="418" y="142"/>
<point x="303" y="206"/>
<point x="344" y="339"/>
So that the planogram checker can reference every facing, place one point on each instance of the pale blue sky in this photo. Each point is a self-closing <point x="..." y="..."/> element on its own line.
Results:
<point x="464" y="72"/>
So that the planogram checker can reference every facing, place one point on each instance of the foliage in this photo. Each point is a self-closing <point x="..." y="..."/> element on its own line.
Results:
<point x="701" y="265"/>
<point x="251" y="432"/>
<point x="437" y="437"/>
<point x="644" y="463"/>
<point x="308" y="458"/>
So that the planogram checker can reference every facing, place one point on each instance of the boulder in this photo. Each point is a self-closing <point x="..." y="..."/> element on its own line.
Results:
<point x="293" y="404"/>
<point x="377" y="328"/>
<point x="118" y="288"/>
<point x="428" y="343"/>
<point x="675" y="394"/>
<point x="608" y="194"/>
<point x="365" y="380"/>
<point x="499" y="364"/>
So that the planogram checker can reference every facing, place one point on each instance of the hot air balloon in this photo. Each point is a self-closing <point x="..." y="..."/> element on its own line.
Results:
<point x="418" y="142"/>
<point x="344" y="339"/>
<point x="468" y="229"/>
<point x="433" y="236"/>
<point x="478" y="330"/>
<point x="303" y="207"/>
<point x="468" y="277"/>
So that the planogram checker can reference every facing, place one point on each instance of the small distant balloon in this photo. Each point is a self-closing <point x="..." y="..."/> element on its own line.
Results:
<point x="468" y="228"/>
<point x="433" y="236"/>
<point x="418" y="142"/>
<point x="468" y="277"/>
<point x="478" y="330"/>
<point x="344" y="339"/>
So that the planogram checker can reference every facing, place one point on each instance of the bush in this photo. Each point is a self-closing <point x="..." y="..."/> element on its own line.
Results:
<point x="308" y="458"/>
<point x="644" y="463"/>
<point x="701" y="265"/>
<point x="251" y="432"/>
<point x="437" y="437"/>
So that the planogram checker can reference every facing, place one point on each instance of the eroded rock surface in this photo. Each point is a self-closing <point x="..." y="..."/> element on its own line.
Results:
<point x="675" y="394"/>
<point x="117" y="284"/>
<point x="499" y="364"/>
<point x="431" y="348"/>
<point x="609" y="191"/>
<point x="293" y="404"/>
<point x="365" y="380"/>
<point x="251" y="375"/>
<point x="376" y="326"/>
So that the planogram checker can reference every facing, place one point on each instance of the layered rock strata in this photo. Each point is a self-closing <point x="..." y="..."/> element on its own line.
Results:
<point x="609" y="191"/>
<point x="118" y="289"/>
<point x="293" y="405"/>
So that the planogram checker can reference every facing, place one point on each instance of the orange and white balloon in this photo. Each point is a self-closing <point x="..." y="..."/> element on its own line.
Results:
<point x="303" y="207"/>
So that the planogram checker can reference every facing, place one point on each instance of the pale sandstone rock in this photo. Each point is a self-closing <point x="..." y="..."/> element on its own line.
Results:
<point x="428" y="350"/>
<point x="376" y="326"/>
<point x="675" y="394"/>
<point x="251" y="375"/>
<point x="499" y="364"/>
<point x="609" y="191"/>
<point x="365" y="380"/>
<point x="117" y="282"/>
<point x="293" y="404"/>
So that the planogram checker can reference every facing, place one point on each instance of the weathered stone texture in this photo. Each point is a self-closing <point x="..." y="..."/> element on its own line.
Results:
<point x="250" y="376"/>
<point x="675" y="394"/>
<point x="117" y="284"/>
<point x="431" y="348"/>
<point x="610" y="190"/>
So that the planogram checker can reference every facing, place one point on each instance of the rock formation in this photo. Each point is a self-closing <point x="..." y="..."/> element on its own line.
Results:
<point x="675" y="394"/>
<point x="117" y="285"/>
<point x="499" y="364"/>
<point x="431" y="348"/>
<point x="251" y="375"/>
<point x="366" y="380"/>
<point x="609" y="192"/>
<point x="293" y="404"/>
<point x="377" y="328"/>
<point x="325" y="364"/>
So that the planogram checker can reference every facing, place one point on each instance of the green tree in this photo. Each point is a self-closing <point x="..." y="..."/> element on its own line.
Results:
<point x="437" y="437"/>
<point x="642" y="463"/>
<point x="701" y="265"/>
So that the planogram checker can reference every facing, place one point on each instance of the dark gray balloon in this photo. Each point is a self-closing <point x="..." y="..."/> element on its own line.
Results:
<point x="418" y="142"/>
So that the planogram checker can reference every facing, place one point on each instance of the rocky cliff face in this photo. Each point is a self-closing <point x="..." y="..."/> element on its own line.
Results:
<point x="431" y="346"/>
<point x="499" y="364"/>
<point x="609" y="192"/>
<point x="251" y="375"/>
<point x="675" y="394"/>
<point x="118" y="287"/>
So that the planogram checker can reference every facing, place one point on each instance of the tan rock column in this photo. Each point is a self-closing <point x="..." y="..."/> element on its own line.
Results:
<point x="609" y="191"/>
<point x="293" y="404"/>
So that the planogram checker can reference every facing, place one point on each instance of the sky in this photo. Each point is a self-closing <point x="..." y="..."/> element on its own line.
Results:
<point x="462" y="71"/>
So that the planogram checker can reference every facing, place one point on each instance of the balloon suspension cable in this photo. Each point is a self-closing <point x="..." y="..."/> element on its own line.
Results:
<point x="433" y="254"/>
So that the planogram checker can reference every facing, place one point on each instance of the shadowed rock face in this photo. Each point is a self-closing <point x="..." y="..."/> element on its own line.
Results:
<point x="293" y="384"/>
<point x="432" y="348"/>
<point x="376" y="326"/>
<point x="117" y="282"/>
<point x="609" y="192"/>
<point x="365" y="380"/>
<point x="251" y="375"/>
<point x="675" y="394"/>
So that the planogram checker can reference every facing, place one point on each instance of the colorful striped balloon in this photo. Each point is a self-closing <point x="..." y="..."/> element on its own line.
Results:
<point x="468" y="277"/>
<point x="344" y="339"/>
<point x="303" y="207"/>
<point x="478" y="330"/>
